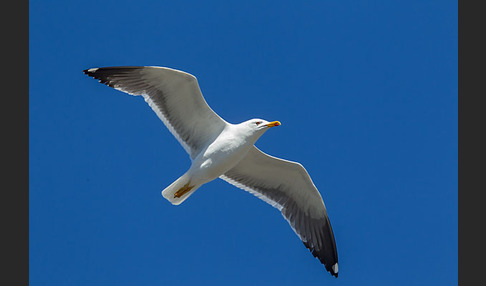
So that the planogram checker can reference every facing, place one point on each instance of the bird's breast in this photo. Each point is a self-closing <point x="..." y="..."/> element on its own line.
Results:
<point x="220" y="156"/>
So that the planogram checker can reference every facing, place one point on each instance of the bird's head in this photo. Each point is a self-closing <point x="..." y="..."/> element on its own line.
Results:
<point x="259" y="126"/>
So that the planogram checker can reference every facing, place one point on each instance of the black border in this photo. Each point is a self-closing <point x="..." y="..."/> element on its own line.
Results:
<point x="471" y="204"/>
<point x="15" y="139"/>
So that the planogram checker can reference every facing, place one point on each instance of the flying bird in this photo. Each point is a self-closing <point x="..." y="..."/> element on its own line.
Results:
<point x="219" y="149"/>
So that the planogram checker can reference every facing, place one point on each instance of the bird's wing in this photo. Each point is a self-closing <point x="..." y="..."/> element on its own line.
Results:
<point x="288" y="187"/>
<point x="174" y="96"/>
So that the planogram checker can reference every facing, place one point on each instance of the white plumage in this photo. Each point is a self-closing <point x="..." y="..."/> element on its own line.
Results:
<point x="220" y="149"/>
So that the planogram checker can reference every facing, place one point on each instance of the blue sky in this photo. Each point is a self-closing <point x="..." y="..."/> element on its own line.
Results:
<point x="367" y="95"/>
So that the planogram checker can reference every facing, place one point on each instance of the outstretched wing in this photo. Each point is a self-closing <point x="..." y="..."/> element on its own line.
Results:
<point x="174" y="96"/>
<point x="288" y="187"/>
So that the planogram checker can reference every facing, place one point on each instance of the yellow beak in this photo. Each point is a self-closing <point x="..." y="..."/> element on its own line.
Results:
<point x="274" y="123"/>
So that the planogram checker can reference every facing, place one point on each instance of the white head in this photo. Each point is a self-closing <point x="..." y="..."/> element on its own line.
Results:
<point x="256" y="127"/>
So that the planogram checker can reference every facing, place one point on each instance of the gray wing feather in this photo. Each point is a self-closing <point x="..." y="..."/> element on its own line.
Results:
<point x="288" y="187"/>
<point x="174" y="96"/>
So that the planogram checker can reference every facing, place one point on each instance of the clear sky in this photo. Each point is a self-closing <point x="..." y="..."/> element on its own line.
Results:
<point x="367" y="95"/>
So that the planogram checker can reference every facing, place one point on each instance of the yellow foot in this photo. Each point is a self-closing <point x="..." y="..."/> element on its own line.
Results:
<point x="183" y="190"/>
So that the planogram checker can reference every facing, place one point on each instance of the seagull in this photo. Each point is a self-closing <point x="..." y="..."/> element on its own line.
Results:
<point x="219" y="149"/>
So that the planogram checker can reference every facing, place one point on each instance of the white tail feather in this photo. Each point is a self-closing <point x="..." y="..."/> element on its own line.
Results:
<point x="169" y="192"/>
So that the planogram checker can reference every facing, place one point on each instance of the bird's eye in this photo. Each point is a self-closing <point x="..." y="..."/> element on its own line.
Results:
<point x="258" y="122"/>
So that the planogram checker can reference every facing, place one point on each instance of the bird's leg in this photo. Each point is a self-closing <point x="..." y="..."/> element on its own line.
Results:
<point x="186" y="188"/>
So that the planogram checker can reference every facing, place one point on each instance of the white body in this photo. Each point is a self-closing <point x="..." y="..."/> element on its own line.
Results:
<point x="219" y="156"/>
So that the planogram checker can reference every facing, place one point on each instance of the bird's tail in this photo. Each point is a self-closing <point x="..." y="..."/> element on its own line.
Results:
<point x="179" y="190"/>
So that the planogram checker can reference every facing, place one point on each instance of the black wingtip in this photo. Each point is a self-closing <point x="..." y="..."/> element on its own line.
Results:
<point x="103" y="75"/>
<point x="90" y="72"/>
<point x="116" y="77"/>
<point x="335" y="274"/>
<point x="331" y="266"/>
